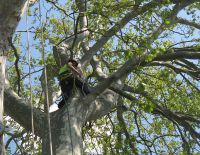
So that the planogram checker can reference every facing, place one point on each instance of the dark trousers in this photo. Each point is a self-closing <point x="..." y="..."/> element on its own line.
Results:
<point x="67" y="87"/>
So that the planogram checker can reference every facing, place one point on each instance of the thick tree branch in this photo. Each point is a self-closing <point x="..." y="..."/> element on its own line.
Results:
<point x="186" y="66"/>
<point x="178" y="55"/>
<point x="128" y="67"/>
<point x="181" y="120"/>
<point x="82" y="11"/>
<point x="128" y="17"/>
<point x="10" y="20"/>
<point x="171" y="115"/>
<point x="187" y="22"/>
<point x="122" y="123"/>
<point x="136" y="61"/>
<point x="122" y="71"/>
<point x="107" y="100"/>
<point x="112" y="31"/>
<point x="189" y="64"/>
<point x="101" y="106"/>
<point x="65" y="46"/>
<point x="16" y="106"/>
<point x="194" y="73"/>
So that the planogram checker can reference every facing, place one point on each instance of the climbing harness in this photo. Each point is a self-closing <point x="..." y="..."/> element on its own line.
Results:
<point x="59" y="98"/>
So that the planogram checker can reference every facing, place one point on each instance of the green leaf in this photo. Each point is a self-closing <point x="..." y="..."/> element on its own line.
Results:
<point x="141" y="87"/>
<point x="167" y="21"/>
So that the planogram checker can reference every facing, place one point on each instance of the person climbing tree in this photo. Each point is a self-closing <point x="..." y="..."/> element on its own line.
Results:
<point x="71" y="77"/>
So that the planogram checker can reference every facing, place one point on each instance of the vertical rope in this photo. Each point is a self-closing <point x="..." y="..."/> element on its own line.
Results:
<point x="45" y="78"/>
<point x="30" y="82"/>
<point x="69" y="122"/>
<point x="2" y="83"/>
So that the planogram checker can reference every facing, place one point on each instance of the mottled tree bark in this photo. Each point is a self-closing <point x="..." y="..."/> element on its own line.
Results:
<point x="67" y="137"/>
<point x="66" y="129"/>
<point x="10" y="12"/>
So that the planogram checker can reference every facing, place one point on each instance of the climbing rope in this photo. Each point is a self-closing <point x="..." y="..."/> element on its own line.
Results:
<point x="69" y="123"/>
<point x="30" y="82"/>
<point x="2" y="82"/>
<point x="45" y="78"/>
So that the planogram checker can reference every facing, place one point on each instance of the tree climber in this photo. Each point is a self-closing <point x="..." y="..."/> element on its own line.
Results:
<point x="70" y="76"/>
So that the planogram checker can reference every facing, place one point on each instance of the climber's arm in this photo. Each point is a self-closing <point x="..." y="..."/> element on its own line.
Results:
<point x="74" y="70"/>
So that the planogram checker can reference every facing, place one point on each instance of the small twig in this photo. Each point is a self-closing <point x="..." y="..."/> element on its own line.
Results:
<point x="188" y="81"/>
<point x="139" y="132"/>
<point x="71" y="36"/>
<point x="31" y="73"/>
<point x="59" y="8"/>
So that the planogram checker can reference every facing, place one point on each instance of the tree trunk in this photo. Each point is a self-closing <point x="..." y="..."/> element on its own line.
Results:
<point x="2" y="83"/>
<point x="45" y="143"/>
<point x="67" y="137"/>
<point x="79" y="112"/>
<point x="10" y="12"/>
<point x="66" y="130"/>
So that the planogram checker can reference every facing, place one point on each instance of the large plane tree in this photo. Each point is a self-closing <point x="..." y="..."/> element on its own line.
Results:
<point x="140" y="59"/>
